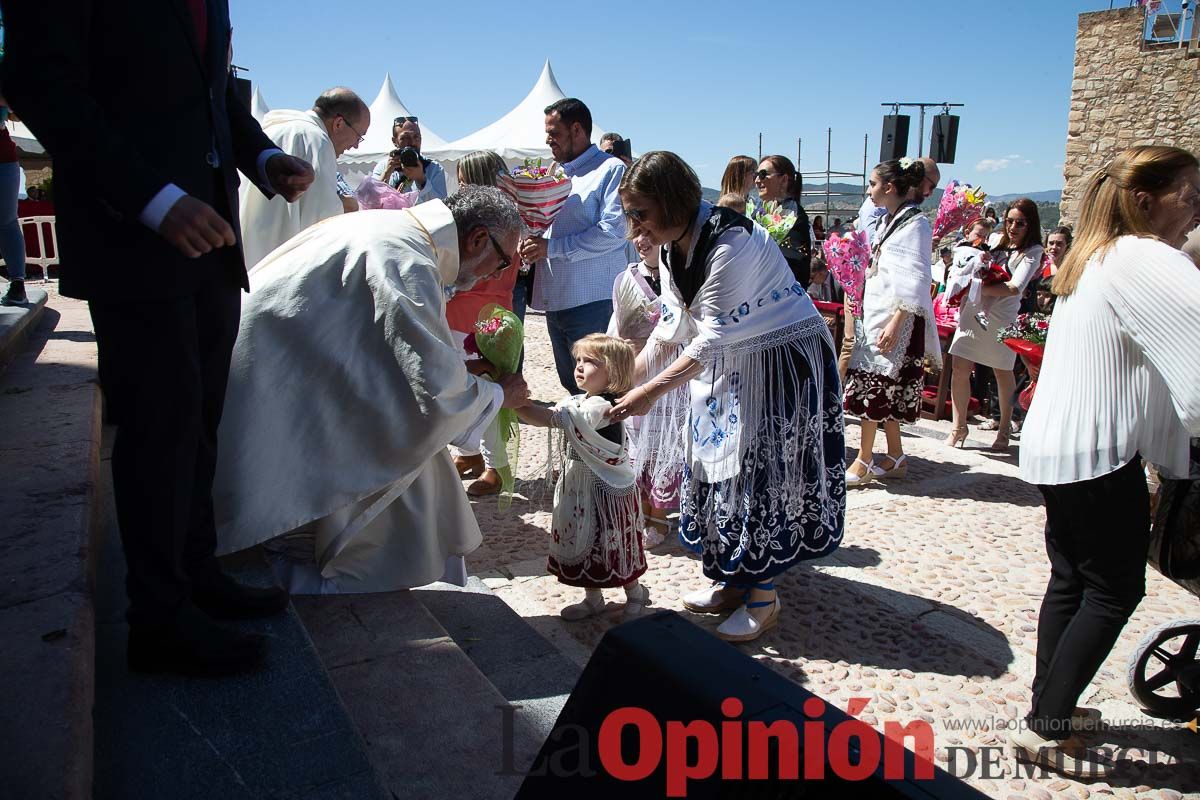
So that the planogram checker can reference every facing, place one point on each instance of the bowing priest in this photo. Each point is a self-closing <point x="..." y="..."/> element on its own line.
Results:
<point x="337" y="122"/>
<point x="345" y="390"/>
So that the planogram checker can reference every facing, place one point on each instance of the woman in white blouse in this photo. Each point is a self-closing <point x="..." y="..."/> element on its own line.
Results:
<point x="975" y="340"/>
<point x="1120" y="383"/>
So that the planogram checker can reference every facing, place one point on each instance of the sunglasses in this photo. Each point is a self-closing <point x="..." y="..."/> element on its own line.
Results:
<point x="505" y="261"/>
<point x="402" y="120"/>
<point x="637" y="215"/>
<point x="762" y="174"/>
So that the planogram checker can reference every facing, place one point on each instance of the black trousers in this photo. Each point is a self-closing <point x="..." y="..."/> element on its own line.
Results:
<point x="164" y="365"/>
<point x="1097" y="535"/>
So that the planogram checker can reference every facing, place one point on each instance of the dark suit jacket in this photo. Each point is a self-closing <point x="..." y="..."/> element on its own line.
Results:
<point x="121" y="97"/>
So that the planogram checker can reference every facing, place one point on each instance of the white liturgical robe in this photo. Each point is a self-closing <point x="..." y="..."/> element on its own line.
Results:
<point x="346" y="387"/>
<point x="269" y="222"/>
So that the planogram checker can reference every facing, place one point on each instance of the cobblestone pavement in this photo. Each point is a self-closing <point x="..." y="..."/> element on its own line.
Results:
<point x="929" y="607"/>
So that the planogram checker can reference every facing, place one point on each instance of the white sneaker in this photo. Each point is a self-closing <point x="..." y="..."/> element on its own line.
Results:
<point x="713" y="600"/>
<point x="652" y="537"/>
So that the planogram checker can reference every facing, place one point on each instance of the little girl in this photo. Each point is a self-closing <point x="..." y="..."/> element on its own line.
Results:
<point x="636" y="309"/>
<point x="595" y="539"/>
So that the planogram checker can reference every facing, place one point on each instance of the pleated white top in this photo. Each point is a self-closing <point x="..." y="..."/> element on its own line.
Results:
<point x="1121" y="375"/>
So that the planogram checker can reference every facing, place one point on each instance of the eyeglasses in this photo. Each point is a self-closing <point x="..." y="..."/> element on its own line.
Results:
<point x="1015" y="223"/>
<point x="356" y="133"/>
<point x="402" y="120"/>
<point x="762" y="174"/>
<point x="637" y="215"/>
<point x="505" y="261"/>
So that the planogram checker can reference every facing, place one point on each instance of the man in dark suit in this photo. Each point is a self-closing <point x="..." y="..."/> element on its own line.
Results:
<point x="135" y="103"/>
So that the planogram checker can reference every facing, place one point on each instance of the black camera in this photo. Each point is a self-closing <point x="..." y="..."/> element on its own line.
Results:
<point x="622" y="148"/>
<point x="409" y="157"/>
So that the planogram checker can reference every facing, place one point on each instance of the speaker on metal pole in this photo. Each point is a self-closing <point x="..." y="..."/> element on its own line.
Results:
<point x="944" y="138"/>
<point x="241" y="86"/>
<point x="894" y="143"/>
<point x="619" y="733"/>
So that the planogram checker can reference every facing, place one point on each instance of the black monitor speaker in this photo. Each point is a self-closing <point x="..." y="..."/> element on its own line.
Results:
<point x="894" y="143"/>
<point x="242" y="87"/>
<point x="944" y="138"/>
<point x="750" y="732"/>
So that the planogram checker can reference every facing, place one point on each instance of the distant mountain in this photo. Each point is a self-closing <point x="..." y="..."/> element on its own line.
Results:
<point x="1053" y="196"/>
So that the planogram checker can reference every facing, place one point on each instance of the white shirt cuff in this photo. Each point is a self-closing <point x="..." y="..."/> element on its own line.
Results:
<point x="154" y="212"/>
<point x="263" y="157"/>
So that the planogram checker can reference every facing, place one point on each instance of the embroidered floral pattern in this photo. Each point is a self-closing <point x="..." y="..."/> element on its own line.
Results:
<point x="879" y="397"/>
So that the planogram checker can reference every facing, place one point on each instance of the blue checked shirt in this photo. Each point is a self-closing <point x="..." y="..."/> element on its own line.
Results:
<point x="586" y="249"/>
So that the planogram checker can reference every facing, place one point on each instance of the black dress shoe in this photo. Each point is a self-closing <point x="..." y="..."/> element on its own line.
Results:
<point x="221" y="597"/>
<point x="192" y="644"/>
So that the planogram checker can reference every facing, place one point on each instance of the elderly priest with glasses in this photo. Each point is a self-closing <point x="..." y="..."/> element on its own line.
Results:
<point x="337" y="122"/>
<point x="345" y="390"/>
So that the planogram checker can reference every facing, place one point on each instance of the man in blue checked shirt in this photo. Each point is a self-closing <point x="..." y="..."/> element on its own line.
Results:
<point x="585" y="251"/>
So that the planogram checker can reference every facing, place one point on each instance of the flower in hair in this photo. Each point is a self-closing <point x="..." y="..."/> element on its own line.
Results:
<point x="906" y="162"/>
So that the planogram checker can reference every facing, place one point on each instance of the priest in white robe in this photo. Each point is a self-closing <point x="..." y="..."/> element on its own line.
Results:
<point x="337" y="122"/>
<point x="347" y="386"/>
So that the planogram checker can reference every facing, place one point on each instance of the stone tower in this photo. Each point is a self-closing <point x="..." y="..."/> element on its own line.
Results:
<point x="1127" y="91"/>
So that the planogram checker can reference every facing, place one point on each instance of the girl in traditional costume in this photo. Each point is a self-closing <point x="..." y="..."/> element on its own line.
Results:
<point x="636" y="309"/>
<point x="596" y="532"/>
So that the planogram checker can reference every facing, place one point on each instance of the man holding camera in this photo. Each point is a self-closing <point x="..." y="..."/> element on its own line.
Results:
<point x="337" y="122"/>
<point x="406" y="169"/>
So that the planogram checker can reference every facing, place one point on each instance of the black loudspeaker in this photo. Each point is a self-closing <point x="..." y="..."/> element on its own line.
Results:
<point x="894" y="143"/>
<point x="944" y="138"/>
<point x="242" y="87"/>
<point x="665" y="709"/>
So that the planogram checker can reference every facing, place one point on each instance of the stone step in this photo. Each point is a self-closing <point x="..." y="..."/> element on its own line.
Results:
<point x="17" y="322"/>
<point x="434" y="725"/>
<point x="527" y="669"/>
<point x="280" y="732"/>
<point x="49" y="455"/>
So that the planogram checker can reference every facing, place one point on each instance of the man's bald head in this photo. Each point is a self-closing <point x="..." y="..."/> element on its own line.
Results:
<point x="933" y="176"/>
<point x="340" y="101"/>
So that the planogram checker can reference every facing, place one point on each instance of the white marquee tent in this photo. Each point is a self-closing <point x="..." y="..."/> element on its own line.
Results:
<point x="387" y="106"/>
<point x="519" y="134"/>
<point x="258" y="106"/>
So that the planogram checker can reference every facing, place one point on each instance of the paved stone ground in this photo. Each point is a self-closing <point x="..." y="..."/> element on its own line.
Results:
<point x="929" y="608"/>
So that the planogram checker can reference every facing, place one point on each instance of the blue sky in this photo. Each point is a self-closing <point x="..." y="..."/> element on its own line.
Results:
<point x="696" y="77"/>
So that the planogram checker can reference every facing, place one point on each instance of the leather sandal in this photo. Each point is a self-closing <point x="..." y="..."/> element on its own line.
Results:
<point x="898" y="469"/>
<point x="853" y="480"/>
<point x="469" y="466"/>
<point x="958" y="437"/>
<point x="489" y="483"/>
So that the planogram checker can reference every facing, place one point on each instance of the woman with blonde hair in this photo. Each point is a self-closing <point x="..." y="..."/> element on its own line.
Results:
<point x="1118" y="384"/>
<point x="481" y="168"/>
<point x="739" y="177"/>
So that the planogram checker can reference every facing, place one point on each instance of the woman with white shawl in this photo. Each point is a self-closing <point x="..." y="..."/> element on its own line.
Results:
<point x="896" y="332"/>
<point x="744" y="370"/>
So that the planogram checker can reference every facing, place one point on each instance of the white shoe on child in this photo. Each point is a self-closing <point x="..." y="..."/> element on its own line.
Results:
<point x="652" y="537"/>
<point x="589" y="606"/>
<point x="636" y="601"/>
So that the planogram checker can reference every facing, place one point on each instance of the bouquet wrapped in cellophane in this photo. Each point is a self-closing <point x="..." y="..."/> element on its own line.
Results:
<point x="776" y="220"/>
<point x="1027" y="338"/>
<point x="848" y="257"/>
<point x="540" y="192"/>
<point x="961" y="204"/>
<point x="500" y="337"/>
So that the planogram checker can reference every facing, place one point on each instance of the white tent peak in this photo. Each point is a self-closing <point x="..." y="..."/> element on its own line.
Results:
<point x="258" y="106"/>
<point x="384" y="108"/>
<point x="519" y="134"/>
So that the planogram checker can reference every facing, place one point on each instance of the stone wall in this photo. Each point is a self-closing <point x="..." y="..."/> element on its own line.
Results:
<point x="1126" y="92"/>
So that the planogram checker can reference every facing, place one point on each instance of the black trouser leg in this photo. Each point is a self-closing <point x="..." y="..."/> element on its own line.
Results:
<point x="167" y="363"/>
<point x="1097" y="532"/>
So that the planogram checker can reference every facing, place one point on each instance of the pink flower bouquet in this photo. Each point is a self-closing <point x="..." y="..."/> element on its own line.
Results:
<point x="961" y="204"/>
<point x="374" y="193"/>
<point x="848" y="257"/>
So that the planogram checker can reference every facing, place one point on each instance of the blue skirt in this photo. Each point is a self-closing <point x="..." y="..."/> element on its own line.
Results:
<point x="748" y="529"/>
